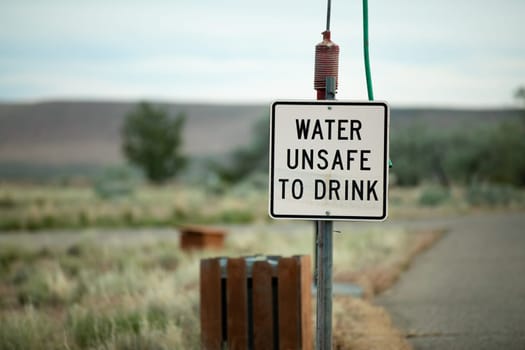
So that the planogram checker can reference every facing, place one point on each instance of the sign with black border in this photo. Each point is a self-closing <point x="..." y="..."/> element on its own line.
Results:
<point x="329" y="160"/>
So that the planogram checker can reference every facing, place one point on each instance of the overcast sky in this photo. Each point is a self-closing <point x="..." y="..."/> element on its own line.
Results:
<point x="433" y="52"/>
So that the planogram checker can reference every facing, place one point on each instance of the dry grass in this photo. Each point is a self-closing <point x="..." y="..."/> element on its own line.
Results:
<point x="368" y="328"/>
<point x="145" y="296"/>
<point x="89" y="296"/>
<point x="34" y="207"/>
<point x="376" y="278"/>
<point x="37" y="207"/>
<point x="92" y="295"/>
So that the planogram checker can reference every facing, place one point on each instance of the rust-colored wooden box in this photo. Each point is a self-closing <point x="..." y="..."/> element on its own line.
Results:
<point x="254" y="303"/>
<point x="200" y="237"/>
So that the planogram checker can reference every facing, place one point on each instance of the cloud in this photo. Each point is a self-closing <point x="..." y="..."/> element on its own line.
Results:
<point x="438" y="52"/>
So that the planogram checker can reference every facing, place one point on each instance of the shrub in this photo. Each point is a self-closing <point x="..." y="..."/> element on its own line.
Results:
<point x="247" y="160"/>
<point x="492" y="195"/>
<point x="10" y="254"/>
<point x="116" y="182"/>
<point x="152" y="140"/>
<point x="433" y="196"/>
<point x="7" y="202"/>
<point x="45" y="285"/>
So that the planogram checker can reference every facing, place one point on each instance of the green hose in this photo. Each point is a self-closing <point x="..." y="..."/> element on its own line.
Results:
<point x="369" y="87"/>
<point x="367" y="56"/>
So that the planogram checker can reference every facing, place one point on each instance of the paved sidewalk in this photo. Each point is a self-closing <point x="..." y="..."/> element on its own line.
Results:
<point x="468" y="291"/>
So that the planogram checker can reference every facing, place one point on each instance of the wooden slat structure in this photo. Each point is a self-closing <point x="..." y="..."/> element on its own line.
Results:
<point x="256" y="304"/>
<point x="211" y="299"/>
<point x="201" y="237"/>
<point x="263" y="306"/>
<point x="237" y="304"/>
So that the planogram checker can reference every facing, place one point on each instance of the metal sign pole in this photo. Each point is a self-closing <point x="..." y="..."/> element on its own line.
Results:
<point x="324" y="286"/>
<point x="324" y="264"/>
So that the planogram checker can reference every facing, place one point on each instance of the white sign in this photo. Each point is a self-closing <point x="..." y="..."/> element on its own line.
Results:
<point x="329" y="160"/>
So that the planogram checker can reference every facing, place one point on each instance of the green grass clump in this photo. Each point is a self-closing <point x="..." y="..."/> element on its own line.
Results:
<point x="45" y="284"/>
<point x="89" y="329"/>
<point x="236" y="216"/>
<point x="27" y="329"/>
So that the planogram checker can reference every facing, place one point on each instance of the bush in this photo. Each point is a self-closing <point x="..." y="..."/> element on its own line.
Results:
<point x="482" y="153"/>
<point x="115" y="182"/>
<point x="9" y="254"/>
<point x="248" y="160"/>
<point x="7" y="202"/>
<point x="153" y="142"/>
<point x="433" y="196"/>
<point x="419" y="153"/>
<point x="45" y="285"/>
<point x="492" y="195"/>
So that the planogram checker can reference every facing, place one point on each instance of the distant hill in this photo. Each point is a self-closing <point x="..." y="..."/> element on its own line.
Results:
<point x="63" y="135"/>
<point x="89" y="132"/>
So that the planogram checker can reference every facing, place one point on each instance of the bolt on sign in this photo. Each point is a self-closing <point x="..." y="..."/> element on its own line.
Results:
<point x="329" y="160"/>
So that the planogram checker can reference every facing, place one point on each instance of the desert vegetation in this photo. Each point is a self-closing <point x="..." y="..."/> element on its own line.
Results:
<point x="448" y="170"/>
<point x="144" y="295"/>
<point x="42" y="207"/>
<point x="152" y="141"/>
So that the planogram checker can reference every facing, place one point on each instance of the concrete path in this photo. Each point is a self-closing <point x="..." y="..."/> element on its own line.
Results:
<point x="468" y="291"/>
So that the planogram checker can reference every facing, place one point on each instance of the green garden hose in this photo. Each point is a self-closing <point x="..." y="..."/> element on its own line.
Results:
<point x="366" y="52"/>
